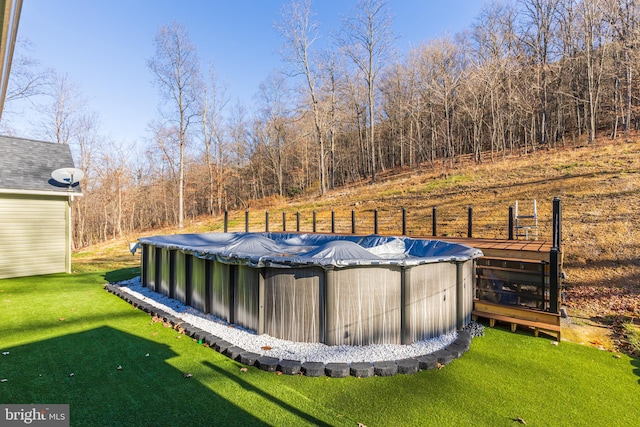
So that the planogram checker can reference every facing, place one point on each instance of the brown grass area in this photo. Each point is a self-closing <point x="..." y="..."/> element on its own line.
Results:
<point x="599" y="187"/>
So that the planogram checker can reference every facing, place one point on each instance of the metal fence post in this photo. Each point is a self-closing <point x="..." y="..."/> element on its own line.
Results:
<point x="554" y="280"/>
<point x="433" y="222"/>
<point x="333" y="222"/>
<point x="511" y="222"/>
<point x="404" y="222"/>
<point x="557" y="223"/>
<point x="314" y="221"/>
<point x="226" y="221"/>
<point x="375" y="221"/>
<point x="266" y="221"/>
<point x="246" y="221"/>
<point x="353" y="222"/>
<point x="470" y="222"/>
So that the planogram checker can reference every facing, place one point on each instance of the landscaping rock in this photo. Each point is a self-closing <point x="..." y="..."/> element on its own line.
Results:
<point x="289" y="367"/>
<point x="408" y="366"/>
<point x="221" y="346"/>
<point x="198" y="334"/>
<point x="336" y="370"/>
<point x="146" y="307"/>
<point x="443" y="356"/>
<point x="313" y="369"/>
<point x="475" y="329"/>
<point x="248" y="358"/>
<point x="361" y="369"/>
<point x="266" y="363"/>
<point x="211" y="340"/>
<point x="428" y="361"/>
<point x="455" y="349"/>
<point x="188" y="329"/>
<point x="174" y="321"/>
<point x="464" y="340"/>
<point x="385" y="368"/>
<point x="234" y="352"/>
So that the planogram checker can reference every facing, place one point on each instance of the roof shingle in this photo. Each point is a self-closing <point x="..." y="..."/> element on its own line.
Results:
<point x="26" y="164"/>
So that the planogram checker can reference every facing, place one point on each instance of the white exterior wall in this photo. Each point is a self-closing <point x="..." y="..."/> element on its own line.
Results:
<point x="34" y="235"/>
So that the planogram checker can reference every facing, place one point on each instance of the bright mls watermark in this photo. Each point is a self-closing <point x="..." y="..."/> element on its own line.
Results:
<point x="34" y="415"/>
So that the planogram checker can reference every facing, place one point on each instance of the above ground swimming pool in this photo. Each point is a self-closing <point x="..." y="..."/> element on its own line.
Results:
<point x="334" y="289"/>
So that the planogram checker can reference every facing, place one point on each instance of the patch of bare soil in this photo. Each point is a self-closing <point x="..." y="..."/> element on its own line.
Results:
<point x="597" y="314"/>
<point x="584" y="331"/>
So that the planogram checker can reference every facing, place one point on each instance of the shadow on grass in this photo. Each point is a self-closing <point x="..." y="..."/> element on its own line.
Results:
<point x="122" y="274"/>
<point x="109" y="377"/>
<point x="253" y="389"/>
<point x="64" y="324"/>
<point x="636" y="367"/>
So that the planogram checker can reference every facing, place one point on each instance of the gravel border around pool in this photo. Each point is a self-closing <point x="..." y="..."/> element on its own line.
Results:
<point x="381" y="368"/>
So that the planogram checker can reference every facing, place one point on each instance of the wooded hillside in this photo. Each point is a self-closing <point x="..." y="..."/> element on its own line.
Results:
<point x="527" y="76"/>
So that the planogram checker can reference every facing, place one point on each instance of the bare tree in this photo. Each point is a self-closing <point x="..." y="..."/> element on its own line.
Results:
<point x="494" y="69"/>
<point x="540" y="26"/>
<point x="331" y="82"/>
<point x="594" y="47"/>
<point x="354" y="99"/>
<point x="213" y="101"/>
<point x="175" y="67"/>
<point x="270" y="128"/>
<point x="62" y="115"/>
<point x="367" y="41"/>
<point x="300" y="32"/>
<point x="27" y="79"/>
<point x="446" y="62"/>
<point x="623" y="17"/>
<point x="239" y="149"/>
<point x="86" y="142"/>
<point x="527" y="73"/>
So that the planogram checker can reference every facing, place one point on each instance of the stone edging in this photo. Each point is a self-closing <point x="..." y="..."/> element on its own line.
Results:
<point x="433" y="360"/>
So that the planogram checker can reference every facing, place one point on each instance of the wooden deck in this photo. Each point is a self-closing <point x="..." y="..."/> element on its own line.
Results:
<point x="537" y="320"/>
<point x="519" y="249"/>
<point x="509" y="251"/>
<point x="503" y="248"/>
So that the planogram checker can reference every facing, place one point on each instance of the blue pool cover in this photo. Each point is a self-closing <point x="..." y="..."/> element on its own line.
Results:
<point x="286" y="250"/>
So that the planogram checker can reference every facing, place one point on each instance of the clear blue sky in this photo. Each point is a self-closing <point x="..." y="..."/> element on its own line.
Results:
<point x="104" y="45"/>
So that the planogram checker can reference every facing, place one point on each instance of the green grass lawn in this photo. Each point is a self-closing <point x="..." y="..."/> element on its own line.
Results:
<point x="53" y="326"/>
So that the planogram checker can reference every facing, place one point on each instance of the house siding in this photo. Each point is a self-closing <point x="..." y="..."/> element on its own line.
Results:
<point x="33" y="235"/>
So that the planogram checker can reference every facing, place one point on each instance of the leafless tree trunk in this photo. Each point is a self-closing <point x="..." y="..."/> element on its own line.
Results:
<point x="300" y="32"/>
<point x="368" y="42"/>
<point x="594" y="50"/>
<point x="212" y="103"/>
<point x="540" y="22"/>
<point x="624" y="16"/>
<point x="270" y="131"/>
<point x="331" y="88"/>
<point x="63" y="114"/>
<point x="176" y="71"/>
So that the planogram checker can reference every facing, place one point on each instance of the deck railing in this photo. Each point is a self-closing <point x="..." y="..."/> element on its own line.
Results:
<point x="443" y="222"/>
<point x="522" y="284"/>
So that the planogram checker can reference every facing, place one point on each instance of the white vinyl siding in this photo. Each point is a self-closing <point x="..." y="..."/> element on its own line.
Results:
<point x="33" y="235"/>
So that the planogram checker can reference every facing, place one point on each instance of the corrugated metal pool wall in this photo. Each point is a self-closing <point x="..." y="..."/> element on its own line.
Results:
<point x="358" y="305"/>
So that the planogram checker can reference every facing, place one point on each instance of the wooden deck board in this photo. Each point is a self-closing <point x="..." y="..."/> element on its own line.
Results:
<point x="513" y="245"/>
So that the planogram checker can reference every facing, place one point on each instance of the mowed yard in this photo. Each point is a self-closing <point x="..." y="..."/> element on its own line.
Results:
<point x="64" y="339"/>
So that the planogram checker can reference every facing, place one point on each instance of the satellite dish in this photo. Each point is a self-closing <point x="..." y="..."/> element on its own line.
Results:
<point x="67" y="176"/>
